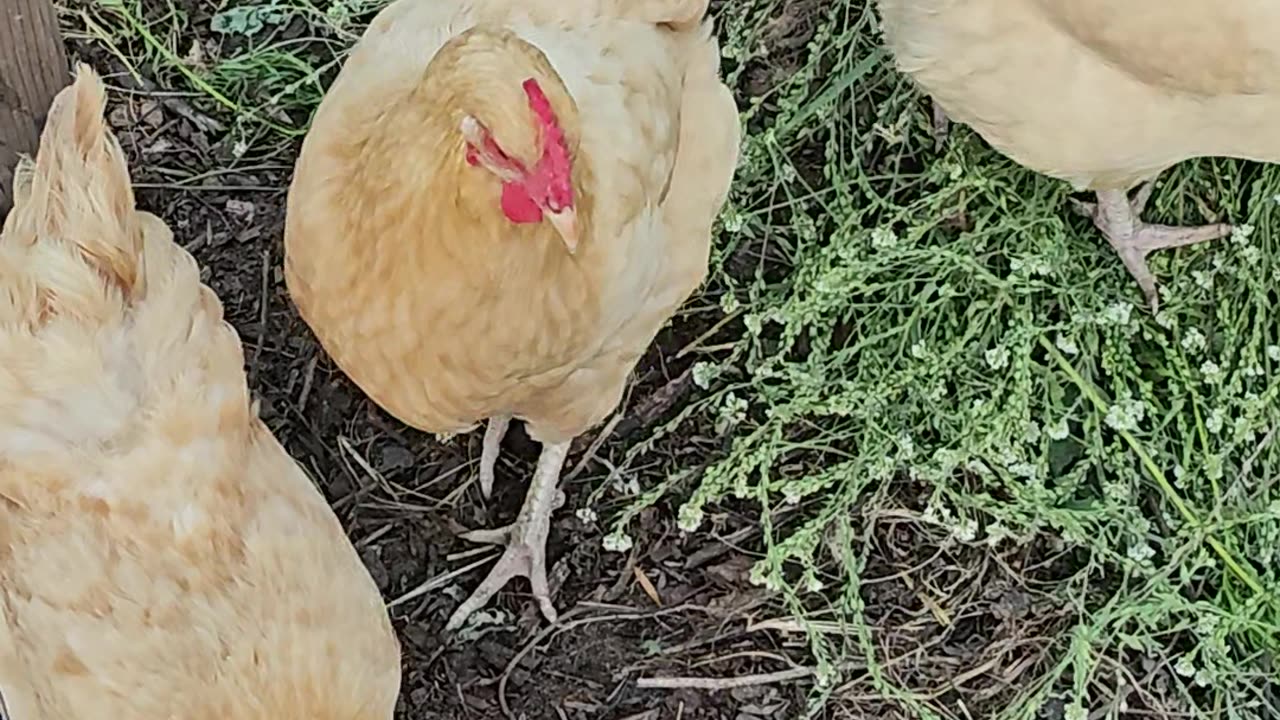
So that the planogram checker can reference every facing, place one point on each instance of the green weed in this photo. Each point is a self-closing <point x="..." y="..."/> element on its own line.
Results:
<point x="1008" y="368"/>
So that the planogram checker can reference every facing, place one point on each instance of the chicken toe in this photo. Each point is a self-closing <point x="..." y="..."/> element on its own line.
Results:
<point x="526" y="541"/>
<point x="493" y="434"/>
<point x="1117" y="218"/>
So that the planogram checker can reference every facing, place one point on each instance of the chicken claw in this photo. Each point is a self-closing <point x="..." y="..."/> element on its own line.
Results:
<point x="493" y="434"/>
<point x="1118" y="219"/>
<point x="526" y="541"/>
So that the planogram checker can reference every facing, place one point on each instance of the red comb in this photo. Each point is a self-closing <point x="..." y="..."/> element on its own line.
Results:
<point x="538" y="101"/>
<point x="555" y="151"/>
<point x="541" y="107"/>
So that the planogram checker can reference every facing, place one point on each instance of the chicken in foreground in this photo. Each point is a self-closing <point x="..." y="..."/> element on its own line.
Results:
<point x="498" y="206"/>
<point x="161" y="556"/>
<point x="1106" y="95"/>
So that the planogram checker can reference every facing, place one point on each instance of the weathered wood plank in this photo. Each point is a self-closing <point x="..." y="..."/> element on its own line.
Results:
<point x="33" y="68"/>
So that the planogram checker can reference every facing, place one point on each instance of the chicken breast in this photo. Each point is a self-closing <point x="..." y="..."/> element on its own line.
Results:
<point x="1101" y="94"/>
<point x="161" y="556"/>
<point x="417" y="250"/>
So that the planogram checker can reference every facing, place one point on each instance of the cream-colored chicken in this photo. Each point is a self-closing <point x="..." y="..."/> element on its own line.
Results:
<point x="498" y="206"/>
<point x="161" y="556"/>
<point x="1103" y="94"/>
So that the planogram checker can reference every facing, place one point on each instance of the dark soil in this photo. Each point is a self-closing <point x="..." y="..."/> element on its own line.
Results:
<point x="396" y="490"/>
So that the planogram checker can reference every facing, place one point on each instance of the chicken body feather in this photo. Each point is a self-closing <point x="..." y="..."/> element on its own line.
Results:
<point x="1101" y="94"/>
<point x="435" y="304"/>
<point x="160" y="553"/>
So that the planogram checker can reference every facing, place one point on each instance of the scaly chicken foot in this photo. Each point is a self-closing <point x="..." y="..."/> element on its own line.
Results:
<point x="1118" y="219"/>
<point x="526" y="541"/>
<point x="494" y="431"/>
<point x="941" y="125"/>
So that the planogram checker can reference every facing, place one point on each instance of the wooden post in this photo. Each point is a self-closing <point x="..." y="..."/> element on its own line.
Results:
<point x="33" y="68"/>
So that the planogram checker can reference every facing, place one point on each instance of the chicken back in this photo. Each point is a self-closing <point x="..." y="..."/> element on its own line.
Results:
<point x="161" y="555"/>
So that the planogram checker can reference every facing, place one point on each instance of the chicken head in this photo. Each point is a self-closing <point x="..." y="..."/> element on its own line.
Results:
<point x="530" y="195"/>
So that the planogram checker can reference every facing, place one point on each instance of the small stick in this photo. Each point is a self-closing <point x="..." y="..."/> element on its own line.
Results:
<point x="647" y="585"/>
<point x="264" y="315"/>
<point x="307" y="378"/>
<point x="595" y="446"/>
<point x="145" y="88"/>
<point x="439" y="581"/>
<point x="717" y="684"/>
<point x="657" y="404"/>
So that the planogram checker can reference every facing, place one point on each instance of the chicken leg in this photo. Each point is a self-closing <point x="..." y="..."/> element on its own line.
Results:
<point x="494" y="431"/>
<point x="526" y="540"/>
<point x="1118" y="219"/>
<point x="941" y="125"/>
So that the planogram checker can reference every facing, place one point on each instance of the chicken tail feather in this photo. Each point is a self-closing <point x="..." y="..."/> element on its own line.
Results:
<point x="73" y="215"/>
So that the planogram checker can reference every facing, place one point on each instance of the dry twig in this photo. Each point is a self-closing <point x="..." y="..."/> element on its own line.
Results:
<point x="717" y="684"/>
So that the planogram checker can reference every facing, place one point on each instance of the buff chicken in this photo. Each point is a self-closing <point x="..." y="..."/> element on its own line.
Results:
<point x="161" y="556"/>
<point x="497" y="207"/>
<point x="1106" y="95"/>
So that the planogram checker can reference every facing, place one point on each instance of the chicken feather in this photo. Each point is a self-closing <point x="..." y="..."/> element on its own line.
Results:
<point x="1101" y="94"/>
<point x="435" y="304"/>
<point x="160" y="553"/>
<point x="1197" y="48"/>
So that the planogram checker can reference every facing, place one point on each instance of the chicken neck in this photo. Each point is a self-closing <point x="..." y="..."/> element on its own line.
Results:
<point x="525" y="539"/>
<point x="1117" y="217"/>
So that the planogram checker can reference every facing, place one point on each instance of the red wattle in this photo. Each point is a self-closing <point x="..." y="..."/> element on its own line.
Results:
<point x="518" y="206"/>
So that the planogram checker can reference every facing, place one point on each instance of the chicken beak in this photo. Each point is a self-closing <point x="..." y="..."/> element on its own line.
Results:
<point x="566" y="223"/>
